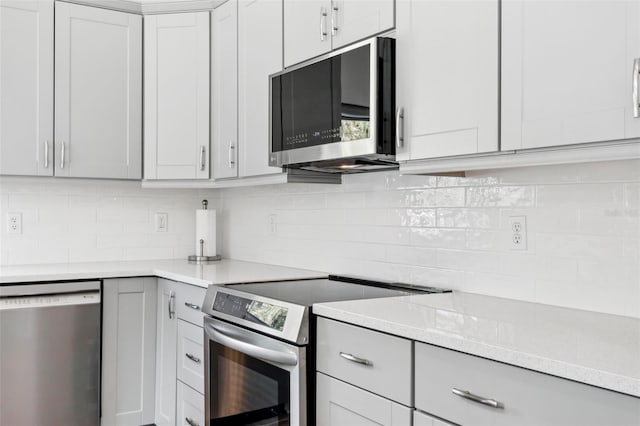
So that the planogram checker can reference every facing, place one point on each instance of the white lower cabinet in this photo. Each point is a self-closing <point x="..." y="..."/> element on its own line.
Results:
<point x="190" y="406"/>
<point x="180" y="355"/>
<point x="423" y="419"/>
<point x="470" y="390"/>
<point x="340" y="404"/>
<point x="128" y="351"/>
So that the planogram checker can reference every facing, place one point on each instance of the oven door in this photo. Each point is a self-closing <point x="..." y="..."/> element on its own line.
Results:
<point x="252" y="379"/>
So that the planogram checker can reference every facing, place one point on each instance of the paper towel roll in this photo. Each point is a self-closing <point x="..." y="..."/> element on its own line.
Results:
<point x="206" y="230"/>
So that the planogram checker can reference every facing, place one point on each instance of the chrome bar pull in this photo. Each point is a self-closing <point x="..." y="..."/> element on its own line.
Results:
<point x="636" y="88"/>
<point x="399" y="128"/>
<point x="334" y="20"/>
<point x="172" y="297"/>
<point x="356" y="359"/>
<point x="192" y="306"/>
<point x="62" y="155"/>
<point x="202" y="159"/>
<point x="232" y="161"/>
<point x="475" y="398"/>
<point x="323" y="24"/>
<point x="46" y="154"/>
<point x="191" y="422"/>
<point x="193" y="358"/>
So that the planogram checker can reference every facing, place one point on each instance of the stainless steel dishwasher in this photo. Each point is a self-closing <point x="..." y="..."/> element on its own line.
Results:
<point x="50" y="354"/>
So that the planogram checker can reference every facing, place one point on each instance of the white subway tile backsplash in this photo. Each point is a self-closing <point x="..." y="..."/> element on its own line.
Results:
<point x="583" y="195"/>
<point x="501" y="196"/>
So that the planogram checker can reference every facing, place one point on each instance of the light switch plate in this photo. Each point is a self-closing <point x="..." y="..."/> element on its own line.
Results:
<point x="162" y="222"/>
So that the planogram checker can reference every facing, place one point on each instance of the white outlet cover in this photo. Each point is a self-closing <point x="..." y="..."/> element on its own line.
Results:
<point x="518" y="232"/>
<point x="14" y="223"/>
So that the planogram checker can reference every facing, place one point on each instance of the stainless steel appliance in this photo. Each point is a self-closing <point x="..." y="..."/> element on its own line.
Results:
<point x="50" y="354"/>
<point x="259" y="348"/>
<point x="336" y="113"/>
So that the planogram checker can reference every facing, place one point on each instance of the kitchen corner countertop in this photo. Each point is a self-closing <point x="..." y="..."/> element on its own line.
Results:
<point x="225" y="271"/>
<point x="598" y="349"/>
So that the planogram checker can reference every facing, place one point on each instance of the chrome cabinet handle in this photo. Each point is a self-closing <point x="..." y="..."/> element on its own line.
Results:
<point x="62" y="156"/>
<point x="636" y="88"/>
<point x="323" y="24"/>
<point x="193" y="358"/>
<point x="46" y="154"/>
<point x="232" y="149"/>
<point x="475" y="398"/>
<point x="191" y="422"/>
<point x="399" y="128"/>
<point x="334" y="20"/>
<point x="356" y="359"/>
<point x="192" y="306"/>
<point x="172" y="297"/>
<point x="202" y="159"/>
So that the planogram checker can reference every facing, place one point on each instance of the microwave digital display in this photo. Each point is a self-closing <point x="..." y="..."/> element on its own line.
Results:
<point x="325" y="102"/>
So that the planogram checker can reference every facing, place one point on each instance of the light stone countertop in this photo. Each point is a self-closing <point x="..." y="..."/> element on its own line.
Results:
<point x="225" y="271"/>
<point x="598" y="349"/>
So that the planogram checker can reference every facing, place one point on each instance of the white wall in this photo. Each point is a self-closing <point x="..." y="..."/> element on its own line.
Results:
<point x="583" y="231"/>
<point x="78" y="220"/>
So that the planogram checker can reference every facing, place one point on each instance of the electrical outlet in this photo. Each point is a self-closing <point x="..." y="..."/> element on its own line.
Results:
<point x="518" y="228"/>
<point x="14" y="223"/>
<point x="162" y="222"/>
<point x="272" y="220"/>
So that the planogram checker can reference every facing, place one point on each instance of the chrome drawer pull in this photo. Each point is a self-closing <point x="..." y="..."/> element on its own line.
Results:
<point x="193" y="358"/>
<point x="355" y="359"/>
<point x="192" y="306"/>
<point x="475" y="398"/>
<point x="191" y="422"/>
<point x="636" y="88"/>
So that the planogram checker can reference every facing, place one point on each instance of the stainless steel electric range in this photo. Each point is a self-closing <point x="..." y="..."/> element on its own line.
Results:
<point x="259" y="346"/>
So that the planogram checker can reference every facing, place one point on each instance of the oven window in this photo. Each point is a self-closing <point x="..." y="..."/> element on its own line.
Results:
<point x="245" y="390"/>
<point x="325" y="102"/>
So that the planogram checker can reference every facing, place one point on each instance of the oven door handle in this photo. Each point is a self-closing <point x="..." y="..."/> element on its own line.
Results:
<point x="275" y="356"/>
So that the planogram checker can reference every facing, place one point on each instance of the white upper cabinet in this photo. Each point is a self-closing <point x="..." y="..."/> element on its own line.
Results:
<point x="567" y="72"/>
<point x="259" y="55"/>
<point x="314" y="27"/>
<point x="98" y="92"/>
<point x="447" y="77"/>
<point x="26" y="84"/>
<point x="176" y="96"/>
<point x="224" y="93"/>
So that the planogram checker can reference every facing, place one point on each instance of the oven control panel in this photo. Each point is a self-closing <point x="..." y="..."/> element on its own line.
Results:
<point x="266" y="314"/>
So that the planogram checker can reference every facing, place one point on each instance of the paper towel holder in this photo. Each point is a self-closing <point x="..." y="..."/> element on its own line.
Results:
<point x="201" y="258"/>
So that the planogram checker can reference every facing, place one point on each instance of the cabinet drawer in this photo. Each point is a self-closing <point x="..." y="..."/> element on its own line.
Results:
<point x="191" y="355"/>
<point x="528" y="397"/>
<point x="189" y="300"/>
<point x="190" y="406"/>
<point x="368" y="359"/>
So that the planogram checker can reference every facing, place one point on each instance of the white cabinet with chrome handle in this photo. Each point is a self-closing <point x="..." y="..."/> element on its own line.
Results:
<point x="340" y="22"/>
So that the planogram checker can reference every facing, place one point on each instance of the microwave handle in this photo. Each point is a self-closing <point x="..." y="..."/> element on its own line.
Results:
<point x="399" y="128"/>
<point x="216" y="334"/>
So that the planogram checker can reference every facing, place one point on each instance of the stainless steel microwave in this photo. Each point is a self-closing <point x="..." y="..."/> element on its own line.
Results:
<point x="336" y="113"/>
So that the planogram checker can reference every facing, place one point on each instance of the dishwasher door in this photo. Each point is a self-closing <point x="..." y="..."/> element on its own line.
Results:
<point x="50" y="354"/>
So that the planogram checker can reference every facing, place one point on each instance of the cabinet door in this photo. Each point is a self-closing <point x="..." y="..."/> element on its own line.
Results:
<point x="259" y="55"/>
<point x="423" y="419"/>
<point x="166" y="349"/>
<point x="307" y="29"/>
<point x="128" y="351"/>
<point x="353" y="20"/>
<point x="98" y="84"/>
<point x="566" y="72"/>
<point x="26" y="84"/>
<point x="224" y="77"/>
<point x="447" y="56"/>
<point x="176" y="97"/>
<point x="339" y="404"/>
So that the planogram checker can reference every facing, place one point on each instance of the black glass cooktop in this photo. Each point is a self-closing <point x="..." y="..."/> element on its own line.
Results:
<point x="334" y="289"/>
